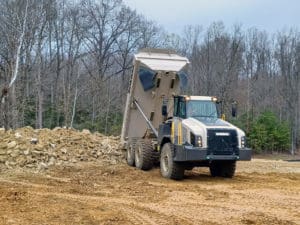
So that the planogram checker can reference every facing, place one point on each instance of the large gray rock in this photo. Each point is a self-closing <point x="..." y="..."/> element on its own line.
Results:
<point x="11" y="144"/>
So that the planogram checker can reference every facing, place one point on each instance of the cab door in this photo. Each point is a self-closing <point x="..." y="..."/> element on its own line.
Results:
<point x="179" y="115"/>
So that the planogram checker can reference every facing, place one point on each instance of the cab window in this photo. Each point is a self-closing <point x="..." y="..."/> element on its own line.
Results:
<point x="182" y="109"/>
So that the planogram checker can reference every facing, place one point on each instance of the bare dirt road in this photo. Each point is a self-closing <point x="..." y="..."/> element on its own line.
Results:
<point x="262" y="192"/>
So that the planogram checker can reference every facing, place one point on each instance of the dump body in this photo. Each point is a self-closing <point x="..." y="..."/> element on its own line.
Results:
<point x="157" y="76"/>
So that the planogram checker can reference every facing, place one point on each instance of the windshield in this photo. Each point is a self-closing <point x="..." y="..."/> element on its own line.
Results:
<point x="197" y="108"/>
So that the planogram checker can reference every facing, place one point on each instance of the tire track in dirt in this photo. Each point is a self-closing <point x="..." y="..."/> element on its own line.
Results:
<point x="135" y="212"/>
<point x="95" y="195"/>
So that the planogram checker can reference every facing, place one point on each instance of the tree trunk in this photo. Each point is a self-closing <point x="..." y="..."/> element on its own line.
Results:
<point x="14" y="110"/>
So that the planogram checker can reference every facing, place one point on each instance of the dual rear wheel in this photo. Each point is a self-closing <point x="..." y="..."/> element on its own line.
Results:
<point x="140" y="154"/>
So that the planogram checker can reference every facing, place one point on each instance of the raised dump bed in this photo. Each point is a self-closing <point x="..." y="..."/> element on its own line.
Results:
<point x="157" y="76"/>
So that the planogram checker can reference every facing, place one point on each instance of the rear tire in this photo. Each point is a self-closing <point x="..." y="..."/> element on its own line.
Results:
<point x="222" y="168"/>
<point x="169" y="168"/>
<point x="155" y="156"/>
<point x="130" y="152"/>
<point x="144" y="155"/>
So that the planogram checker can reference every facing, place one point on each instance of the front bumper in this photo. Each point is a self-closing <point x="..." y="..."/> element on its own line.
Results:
<point x="189" y="153"/>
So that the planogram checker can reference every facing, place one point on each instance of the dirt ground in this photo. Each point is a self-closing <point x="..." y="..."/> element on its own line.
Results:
<point x="262" y="192"/>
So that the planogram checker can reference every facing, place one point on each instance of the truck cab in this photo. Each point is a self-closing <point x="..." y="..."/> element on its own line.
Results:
<point x="199" y="137"/>
<point x="198" y="132"/>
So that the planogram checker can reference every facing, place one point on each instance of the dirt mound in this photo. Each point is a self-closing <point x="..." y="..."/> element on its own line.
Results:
<point x="26" y="147"/>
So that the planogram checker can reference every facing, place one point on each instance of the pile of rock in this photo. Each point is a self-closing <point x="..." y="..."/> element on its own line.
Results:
<point x="26" y="147"/>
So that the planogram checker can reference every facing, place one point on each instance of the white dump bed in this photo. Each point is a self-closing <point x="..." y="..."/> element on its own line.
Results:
<point x="161" y="60"/>
<point x="155" y="79"/>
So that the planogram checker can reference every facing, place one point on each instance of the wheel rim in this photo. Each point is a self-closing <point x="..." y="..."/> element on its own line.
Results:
<point x="165" y="163"/>
<point x="137" y="155"/>
<point x="128" y="153"/>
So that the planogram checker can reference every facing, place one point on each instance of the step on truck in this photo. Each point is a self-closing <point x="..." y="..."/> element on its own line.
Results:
<point x="177" y="132"/>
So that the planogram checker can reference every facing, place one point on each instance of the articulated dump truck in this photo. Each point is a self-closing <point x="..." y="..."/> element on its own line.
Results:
<point x="178" y="132"/>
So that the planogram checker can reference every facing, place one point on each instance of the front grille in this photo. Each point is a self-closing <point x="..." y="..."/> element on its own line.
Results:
<point x="222" y="142"/>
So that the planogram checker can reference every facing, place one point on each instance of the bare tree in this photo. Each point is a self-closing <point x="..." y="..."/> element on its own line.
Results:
<point x="19" y="27"/>
<point x="68" y="63"/>
<point x="288" y="56"/>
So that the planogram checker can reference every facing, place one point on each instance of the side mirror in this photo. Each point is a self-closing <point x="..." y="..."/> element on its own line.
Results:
<point x="234" y="109"/>
<point x="164" y="110"/>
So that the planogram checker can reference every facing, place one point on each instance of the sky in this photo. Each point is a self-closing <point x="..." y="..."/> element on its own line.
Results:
<point x="174" y="15"/>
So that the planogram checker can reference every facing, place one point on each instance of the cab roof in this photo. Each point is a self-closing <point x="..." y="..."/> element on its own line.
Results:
<point x="203" y="98"/>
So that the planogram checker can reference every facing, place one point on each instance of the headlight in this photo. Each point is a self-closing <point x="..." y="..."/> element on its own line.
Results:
<point x="243" y="142"/>
<point x="199" y="141"/>
<point x="196" y="141"/>
<point x="214" y="99"/>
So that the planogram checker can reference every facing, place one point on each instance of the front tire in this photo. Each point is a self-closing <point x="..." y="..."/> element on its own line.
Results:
<point x="228" y="169"/>
<point x="169" y="168"/>
<point x="144" y="155"/>
<point x="215" y="168"/>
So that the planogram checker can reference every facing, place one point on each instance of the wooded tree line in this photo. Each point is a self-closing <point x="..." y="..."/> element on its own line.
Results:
<point x="75" y="62"/>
